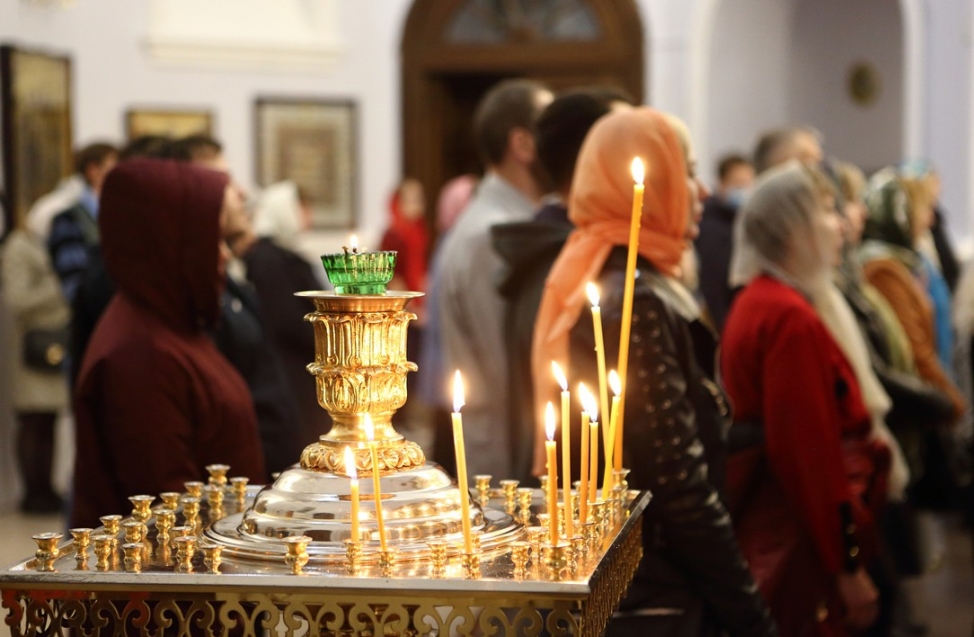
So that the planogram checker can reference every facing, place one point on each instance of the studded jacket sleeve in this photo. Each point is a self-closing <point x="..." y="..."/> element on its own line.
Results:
<point x="687" y="523"/>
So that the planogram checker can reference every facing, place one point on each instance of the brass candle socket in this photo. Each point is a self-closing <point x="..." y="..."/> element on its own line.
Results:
<point x="619" y="479"/>
<point x="133" y="557"/>
<point x="524" y="499"/>
<point x="218" y="474"/>
<point x="170" y="500"/>
<point x="483" y="488"/>
<point x="353" y="555"/>
<point x="214" y="498"/>
<point x="47" y="550"/>
<point x="579" y="552"/>
<point x="471" y="564"/>
<point x="591" y="533"/>
<point x="185" y="551"/>
<point x="133" y="531"/>
<point x="297" y="552"/>
<point x="112" y="524"/>
<point x="82" y="540"/>
<point x="142" y="507"/>
<point x="388" y="560"/>
<point x="544" y="521"/>
<point x="104" y="550"/>
<point x="544" y="483"/>
<point x="213" y="557"/>
<point x="191" y="511"/>
<point x="239" y="485"/>
<point x="600" y="512"/>
<point x="438" y="556"/>
<point x="519" y="557"/>
<point x="557" y="559"/>
<point x="536" y="536"/>
<point x="194" y="489"/>
<point x="510" y="491"/>
<point x="178" y="532"/>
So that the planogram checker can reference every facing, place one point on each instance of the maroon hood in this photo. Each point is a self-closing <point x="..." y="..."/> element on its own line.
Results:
<point x="160" y="234"/>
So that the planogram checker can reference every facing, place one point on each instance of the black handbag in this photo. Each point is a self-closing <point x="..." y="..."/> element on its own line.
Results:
<point x="45" y="349"/>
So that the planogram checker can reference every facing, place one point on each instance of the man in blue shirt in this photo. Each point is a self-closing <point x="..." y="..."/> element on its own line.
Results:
<point x="74" y="232"/>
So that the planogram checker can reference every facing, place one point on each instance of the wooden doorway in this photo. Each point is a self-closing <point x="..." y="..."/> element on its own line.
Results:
<point x="453" y="51"/>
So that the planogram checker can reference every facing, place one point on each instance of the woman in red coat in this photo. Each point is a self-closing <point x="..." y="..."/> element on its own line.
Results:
<point x="155" y="402"/>
<point x="805" y="499"/>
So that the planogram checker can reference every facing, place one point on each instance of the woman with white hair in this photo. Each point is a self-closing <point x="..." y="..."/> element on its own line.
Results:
<point x="277" y="271"/>
<point x="805" y="495"/>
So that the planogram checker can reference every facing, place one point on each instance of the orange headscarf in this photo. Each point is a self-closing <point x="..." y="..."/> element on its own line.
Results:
<point x="600" y="206"/>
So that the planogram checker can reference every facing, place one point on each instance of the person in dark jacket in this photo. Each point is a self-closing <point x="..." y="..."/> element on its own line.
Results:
<point x="276" y="271"/>
<point x="693" y="579"/>
<point x="529" y="248"/>
<point x="155" y="401"/>
<point x="716" y="239"/>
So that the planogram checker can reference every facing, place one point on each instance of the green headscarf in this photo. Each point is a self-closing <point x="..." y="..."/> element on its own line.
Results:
<point x="889" y="225"/>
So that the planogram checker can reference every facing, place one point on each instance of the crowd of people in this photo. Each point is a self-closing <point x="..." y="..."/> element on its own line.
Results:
<point x="799" y="377"/>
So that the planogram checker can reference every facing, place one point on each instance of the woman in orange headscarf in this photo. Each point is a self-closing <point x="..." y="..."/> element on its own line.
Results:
<point x="692" y="578"/>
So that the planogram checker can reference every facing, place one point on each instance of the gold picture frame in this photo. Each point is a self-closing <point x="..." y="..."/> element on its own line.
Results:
<point x="173" y="123"/>
<point x="35" y="93"/>
<point x="310" y="142"/>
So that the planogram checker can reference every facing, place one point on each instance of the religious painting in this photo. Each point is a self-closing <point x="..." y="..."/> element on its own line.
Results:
<point x="311" y="143"/>
<point x="167" y="123"/>
<point x="35" y="120"/>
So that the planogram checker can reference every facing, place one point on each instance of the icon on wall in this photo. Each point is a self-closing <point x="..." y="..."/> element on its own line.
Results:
<point x="863" y="84"/>
<point x="312" y="143"/>
<point x="173" y="123"/>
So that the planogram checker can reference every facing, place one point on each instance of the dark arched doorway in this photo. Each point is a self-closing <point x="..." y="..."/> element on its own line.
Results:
<point x="453" y="51"/>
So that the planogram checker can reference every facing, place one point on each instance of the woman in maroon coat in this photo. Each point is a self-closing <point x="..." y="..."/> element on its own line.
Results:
<point x="805" y="500"/>
<point x="155" y="402"/>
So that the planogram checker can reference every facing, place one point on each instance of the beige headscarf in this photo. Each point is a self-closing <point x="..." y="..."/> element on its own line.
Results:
<point x="777" y="224"/>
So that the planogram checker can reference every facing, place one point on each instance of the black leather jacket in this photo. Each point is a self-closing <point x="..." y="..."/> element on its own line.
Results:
<point x="676" y="426"/>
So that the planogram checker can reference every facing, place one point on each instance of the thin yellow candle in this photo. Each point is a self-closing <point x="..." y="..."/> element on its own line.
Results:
<point x="629" y="290"/>
<point x="461" y="462"/>
<point x="552" y="454"/>
<point x="610" y="452"/>
<point x="593" y="449"/>
<point x="370" y="433"/>
<point x="585" y="397"/>
<point x="566" y="454"/>
<point x="593" y="296"/>
<point x="352" y="474"/>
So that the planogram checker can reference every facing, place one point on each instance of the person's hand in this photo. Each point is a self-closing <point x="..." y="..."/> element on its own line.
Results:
<point x="860" y="598"/>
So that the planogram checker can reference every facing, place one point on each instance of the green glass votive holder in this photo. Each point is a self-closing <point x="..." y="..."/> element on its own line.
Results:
<point x="360" y="272"/>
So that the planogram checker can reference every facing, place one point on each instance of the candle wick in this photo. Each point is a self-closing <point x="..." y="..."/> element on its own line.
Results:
<point x="345" y="249"/>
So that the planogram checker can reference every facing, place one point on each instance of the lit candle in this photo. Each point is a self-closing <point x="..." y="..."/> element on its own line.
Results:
<point x="611" y="458"/>
<point x="461" y="462"/>
<point x="370" y="432"/>
<point x="353" y="244"/>
<point x="593" y="296"/>
<point x="586" y="398"/>
<point x="352" y="474"/>
<point x="566" y="455"/>
<point x="593" y="449"/>
<point x="549" y="425"/>
<point x="637" y="211"/>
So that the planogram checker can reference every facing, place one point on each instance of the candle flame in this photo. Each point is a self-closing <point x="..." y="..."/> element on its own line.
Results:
<point x="350" y="470"/>
<point x="369" y="428"/>
<point x="549" y="420"/>
<point x="589" y="403"/>
<point x="593" y="293"/>
<point x="638" y="173"/>
<point x="585" y="397"/>
<point x="353" y="243"/>
<point x="615" y="383"/>
<point x="457" y="391"/>
<point x="559" y="376"/>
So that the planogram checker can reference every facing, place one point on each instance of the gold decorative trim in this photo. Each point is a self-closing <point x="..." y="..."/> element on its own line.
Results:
<point x="331" y="459"/>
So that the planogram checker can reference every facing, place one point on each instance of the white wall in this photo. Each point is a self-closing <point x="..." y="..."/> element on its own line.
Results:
<point x="748" y="71"/>
<point x="112" y="72"/>
<point x="949" y="108"/>
<point x="827" y="38"/>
